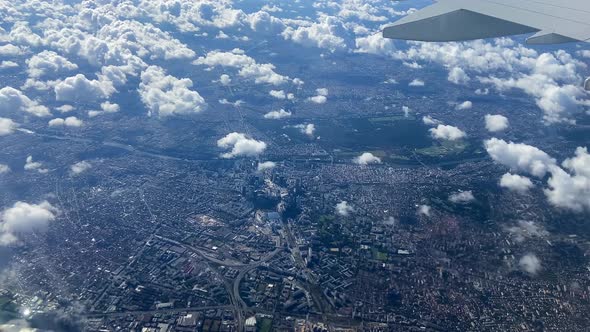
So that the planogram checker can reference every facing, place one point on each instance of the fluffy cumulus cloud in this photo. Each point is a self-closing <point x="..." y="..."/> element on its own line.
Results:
<point x="552" y="79"/>
<point x="530" y="264"/>
<point x="166" y="95"/>
<point x="280" y="94"/>
<point x="48" y="63"/>
<point x="307" y="129"/>
<point x="240" y="145"/>
<point x="70" y="121"/>
<point x="445" y="132"/>
<point x="4" y="168"/>
<point x="263" y="166"/>
<point x="417" y="83"/>
<point x="247" y="67"/>
<point x="366" y="159"/>
<point x="344" y="209"/>
<point x="496" y="122"/>
<point x="80" y="88"/>
<point x="569" y="187"/>
<point x="519" y="157"/>
<point x="7" y="126"/>
<point x="458" y="76"/>
<point x="424" y="210"/>
<point x="23" y="218"/>
<point x="462" y="197"/>
<point x="275" y="115"/>
<point x="31" y="165"/>
<point x="80" y="167"/>
<point x="375" y="44"/>
<point x="466" y="105"/>
<point x="321" y="96"/>
<point x="13" y="99"/>
<point x="526" y="229"/>
<point x="430" y="121"/>
<point x="328" y="33"/>
<point x="516" y="182"/>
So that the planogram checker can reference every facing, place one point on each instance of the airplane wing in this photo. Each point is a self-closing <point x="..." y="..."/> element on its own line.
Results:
<point x="557" y="21"/>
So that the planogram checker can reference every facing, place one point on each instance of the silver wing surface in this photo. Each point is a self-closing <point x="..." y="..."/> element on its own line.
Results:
<point x="558" y="21"/>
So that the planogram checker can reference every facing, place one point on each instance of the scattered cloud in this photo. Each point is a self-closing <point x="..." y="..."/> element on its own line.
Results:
<point x="449" y="133"/>
<point x="466" y="105"/>
<point x="344" y="209"/>
<point x="496" y="123"/>
<point x="430" y="121"/>
<point x="424" y="210"/>
<point x="13" y="99"/>
<point x="70" y="121"/>
<point x="416" y="82"/>
<point x="307" y="129"/>
<point x="526" y="229"/>
<point x="48" y="63"/>
<point x="366" y="159"/>
<point x="516" y="182"/>
<point x="275" y="115"/>
<point x="79" y="88"/>
<point x="530" y="264"/>
<point x="80" y="167"/>
<point x="263" y="166"/>
<point x="31" y="165"/>
<point x="7" y="126"/>
<point x="458" y="76"/>
<point x="519" y="157"/>
<point x="23" y="218"/>
<point x="4" y="169"/>
<point x="240" y="145"/>
<point x="462" y="197"/>
<point x="166" y="95"/>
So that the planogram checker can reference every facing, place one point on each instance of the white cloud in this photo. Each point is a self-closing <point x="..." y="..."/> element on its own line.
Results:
<point x="8" y="64"/>
<point x="416" y="82"/>
<point x="275" y="115"/>
<point x="4" y="169"/>
<point x="279" y="94"/>
<point x="80" y="167"/>
<point x="551" y="78"/>
<point x="571" y="190"/>
<point x="307" y="129"/>
<point x="462" y="197"/>
<point x="13" y="99"/>
<point x="263" y="166"/>
<point x="466" y="105"/>
<point x="225" y="80"/>
<point x="48" y="63"/>
<point x="248" y="67"/>
<point x="166" y="95"/>
<point x="24" y="218"/>
<point x="31" y="165"/>
<point x="10" y="50"/>
<point x="321" y="97"/>
<point x="326" y="33"/>
<point x="430" y="121"/>
<point x="65" y="108"/>
<point x="519" y="157"/>
<point x="424" y="210"/>
<point x="263" y="22"/>
<point x="458" y="76"/>
<point x="445" y="132"/>
<point x="366" y="159"/>
<point x="530" y="264"/>
<point x="236" y="103"/>
<point x="240" y="145"/>
<point x="109" y="107"/>
<point x="343" y="209"/>
<point x="7" y="126"/>
<point x="70" y="121"/>
<point x="495" y="123"/>
<point x="526" y="229"/>
<point x="516" y="182"/>
<point x="375" y="44"/>
<point x="80" y="88"/>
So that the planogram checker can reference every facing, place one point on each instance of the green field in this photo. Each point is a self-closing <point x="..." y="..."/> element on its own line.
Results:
<point x="445" y="148"/>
